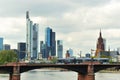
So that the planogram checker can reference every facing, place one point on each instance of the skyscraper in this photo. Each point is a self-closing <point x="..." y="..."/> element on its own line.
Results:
<point x="21" y="50"/>
<point x="43" y="49"/>
<point x="59" y="49"/>
<point x="70" y="52"/>
<point x="50" y="43"/>
<point x="100" y="44"/>
<point x="31" y="39"/>
<point x="1" y="43"/>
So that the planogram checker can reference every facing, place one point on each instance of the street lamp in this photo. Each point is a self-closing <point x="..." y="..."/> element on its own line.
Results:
<point x="92" y="58"/>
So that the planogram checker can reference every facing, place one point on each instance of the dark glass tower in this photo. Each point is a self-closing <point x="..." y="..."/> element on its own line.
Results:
<point x="50" y="43"/>
<point x="21" y="50"/>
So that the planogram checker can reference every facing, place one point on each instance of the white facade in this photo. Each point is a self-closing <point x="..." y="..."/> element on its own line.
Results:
<point x="31" y="39"/>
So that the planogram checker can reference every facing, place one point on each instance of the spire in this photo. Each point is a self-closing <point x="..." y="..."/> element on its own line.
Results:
<point x="27" y="15"/>
<point x="100" y="34"/>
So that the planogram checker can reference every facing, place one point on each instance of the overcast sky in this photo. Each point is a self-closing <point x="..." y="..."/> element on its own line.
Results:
<point x="76" y="22"/>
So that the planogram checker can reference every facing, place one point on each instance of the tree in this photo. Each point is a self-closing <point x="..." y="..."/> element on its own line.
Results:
<point x="7" y="56"/>
<point x="54" y="60"/>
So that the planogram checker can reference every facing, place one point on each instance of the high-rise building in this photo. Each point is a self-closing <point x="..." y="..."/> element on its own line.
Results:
<point x="31" y="39"/>
<point x="6" y="47"/>
<point x="70" y="52"/>
<point x="1" y="43"/>
<point x="50" y="43"/>
<point x="43" y="49"/>
<point x="100" y="44"/>
<point x="59" y="49"/>
<point x="21" y="50"/>
<point x="53" y="46"/>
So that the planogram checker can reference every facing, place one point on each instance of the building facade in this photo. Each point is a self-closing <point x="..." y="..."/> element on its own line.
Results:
<point x="70" y="52"/>
<point x="21" y="50"/>
<point x="59" y="49"/>
<point x="1" y="43"/>
<point x="31" y="39"/>
<point x="50" y="43"/>
<point x="6" y="47"/>
<point x="43" y="49"/>
<point x="100" y="45"/>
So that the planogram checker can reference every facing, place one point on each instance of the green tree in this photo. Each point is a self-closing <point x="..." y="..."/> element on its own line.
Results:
<point x="7" y="56"/>
<point x="54" y="60"/>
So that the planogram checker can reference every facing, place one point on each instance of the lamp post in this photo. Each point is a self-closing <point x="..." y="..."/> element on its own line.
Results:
<point x="92" y="59"/>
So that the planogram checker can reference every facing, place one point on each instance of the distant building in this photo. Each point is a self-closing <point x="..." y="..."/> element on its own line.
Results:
<point x="88" y="55"/>
<point x="108" y="54"/>
<point x="1" y="43"/>
<point x="42" y="49"/>
<point x="6" y="47"/>
<point x="100" y="45"/>
<point x="21" y="50"/>
<point x="31" y="39"/>
<point x="59" y="49"/>
<point x="104" y="54"/>
<point x="70" y="52"/>
<point x="67" y="55"/>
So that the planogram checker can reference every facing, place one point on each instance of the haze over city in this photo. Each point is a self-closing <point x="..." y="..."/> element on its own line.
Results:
<point x="76" y="22"/>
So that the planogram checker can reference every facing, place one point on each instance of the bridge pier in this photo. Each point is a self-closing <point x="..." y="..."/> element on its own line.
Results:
<point x="89" y="75"/>
<point x="15" y="75"/>
<point x="86" y="76"/>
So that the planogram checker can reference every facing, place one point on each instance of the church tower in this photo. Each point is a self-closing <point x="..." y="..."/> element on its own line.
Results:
<point x="100" y="44"/>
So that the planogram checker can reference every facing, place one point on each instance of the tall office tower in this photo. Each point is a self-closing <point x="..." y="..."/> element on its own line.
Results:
<point x="31" y="39"/>
<point x="42" y="49"/>
<point x="35" y="41"/>
<point x="59" y="49"/>
<point x="1" y="43"/>
<point x="50" y="42"/>
<point x="6" y="47"/>
<point x="70" y="52"/>
<point x="21" y="50"/>
<point x="100" y="44"/>
<point x="53" y="46"/>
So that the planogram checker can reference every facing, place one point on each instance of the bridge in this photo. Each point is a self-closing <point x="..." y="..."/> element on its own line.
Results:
<point x="85" y="71"/>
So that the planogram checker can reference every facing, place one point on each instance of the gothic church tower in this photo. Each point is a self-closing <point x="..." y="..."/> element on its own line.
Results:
<point x="100" y="44"/>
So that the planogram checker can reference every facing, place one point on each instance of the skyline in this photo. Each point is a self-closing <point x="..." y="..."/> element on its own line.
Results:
<point x="76" y="22"/>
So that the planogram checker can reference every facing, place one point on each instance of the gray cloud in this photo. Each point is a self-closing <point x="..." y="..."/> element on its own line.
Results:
<point x="76" y="22"/>
<point x="91" y="3"/>
<point x="37" y="7"/>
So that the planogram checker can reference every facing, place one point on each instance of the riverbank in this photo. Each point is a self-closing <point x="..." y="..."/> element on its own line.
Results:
<point x="107" y="71"/>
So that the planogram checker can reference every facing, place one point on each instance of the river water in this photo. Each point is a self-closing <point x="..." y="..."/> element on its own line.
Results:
<point x="44" y="74"/>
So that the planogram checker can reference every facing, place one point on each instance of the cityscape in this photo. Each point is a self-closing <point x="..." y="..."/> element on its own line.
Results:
<point x="51" y="47"/>
<point x="59" y="39"/>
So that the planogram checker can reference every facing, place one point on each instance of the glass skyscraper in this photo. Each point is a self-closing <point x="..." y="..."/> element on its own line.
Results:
<point x="21" y="50"/>
<point x="43" y="49"/>
<point x="31" y="39"/>
<point x="70" y="52"/>
<point x="1" y="43"/>
<point x="50" y="43"/>
<point x="59" y="49"/>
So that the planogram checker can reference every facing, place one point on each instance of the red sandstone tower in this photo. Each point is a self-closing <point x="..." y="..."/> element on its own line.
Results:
<point x="100" y="44"/>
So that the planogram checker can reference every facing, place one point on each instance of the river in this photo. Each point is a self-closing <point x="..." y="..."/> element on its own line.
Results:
<point x="44" y="74"/>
